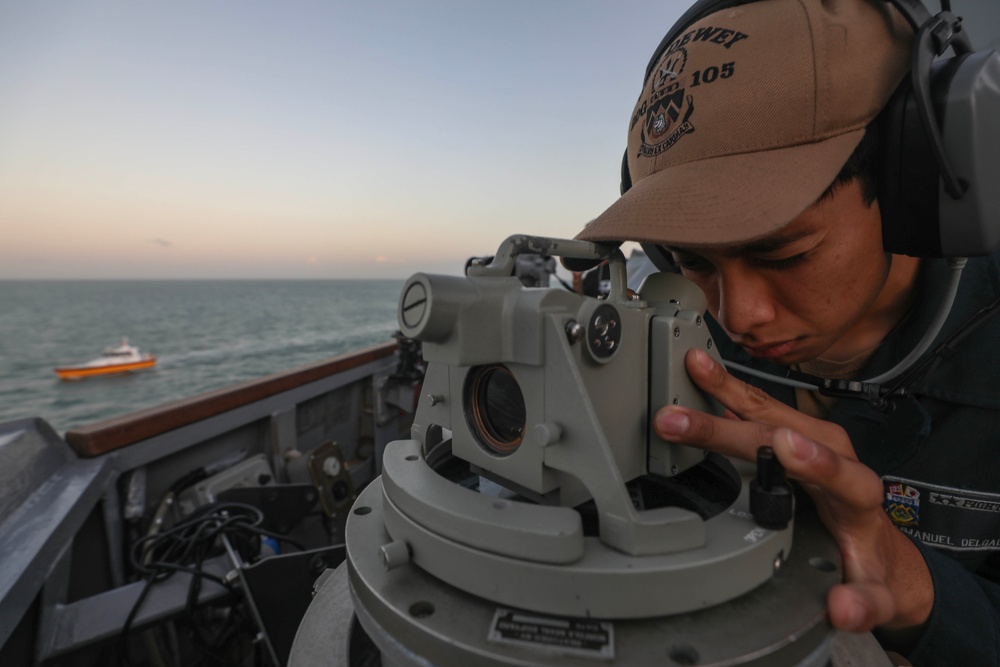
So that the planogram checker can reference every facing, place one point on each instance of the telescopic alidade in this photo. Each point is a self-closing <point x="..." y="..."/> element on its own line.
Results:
<point x="535" y="518"/>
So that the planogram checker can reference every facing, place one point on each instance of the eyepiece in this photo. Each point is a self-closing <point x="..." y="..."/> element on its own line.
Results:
<point x="494" y="408"/>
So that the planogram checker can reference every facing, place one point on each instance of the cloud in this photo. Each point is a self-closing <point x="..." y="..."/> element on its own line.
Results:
<point x="163" y="243"/>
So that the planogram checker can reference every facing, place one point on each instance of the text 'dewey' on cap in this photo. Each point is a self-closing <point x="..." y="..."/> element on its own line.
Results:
<point x="749" y="115"/>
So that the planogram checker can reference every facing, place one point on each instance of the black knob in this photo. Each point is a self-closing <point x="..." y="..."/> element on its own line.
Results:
<point x="770" y="495"/>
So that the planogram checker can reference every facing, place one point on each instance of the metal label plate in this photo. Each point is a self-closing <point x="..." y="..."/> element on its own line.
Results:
<point x="576" y="636"/>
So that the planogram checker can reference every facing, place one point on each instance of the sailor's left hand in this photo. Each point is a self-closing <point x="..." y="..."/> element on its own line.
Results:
<point x="886" y="582"/>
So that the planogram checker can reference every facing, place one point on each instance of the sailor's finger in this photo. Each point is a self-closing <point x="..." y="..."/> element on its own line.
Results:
<point x="754" y="404"/>
<point x="852" y="485"/>
<point x="732" y="437"/>
<point x="860" y="606"/>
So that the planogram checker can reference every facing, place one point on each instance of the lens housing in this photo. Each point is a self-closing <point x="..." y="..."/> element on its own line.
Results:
<point x="494" y="408"/>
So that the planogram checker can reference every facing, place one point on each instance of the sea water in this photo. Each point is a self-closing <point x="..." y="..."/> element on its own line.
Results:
<point x="205" y="335"/>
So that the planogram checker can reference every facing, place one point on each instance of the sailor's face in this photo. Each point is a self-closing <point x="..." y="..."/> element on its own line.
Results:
<point x="798" y="293"/>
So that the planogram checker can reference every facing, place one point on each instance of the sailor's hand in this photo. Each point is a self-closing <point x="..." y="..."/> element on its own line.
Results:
<point x="886" y="582"/>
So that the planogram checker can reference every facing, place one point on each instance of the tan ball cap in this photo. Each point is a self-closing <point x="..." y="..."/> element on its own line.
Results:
<point x="748" y="117"/>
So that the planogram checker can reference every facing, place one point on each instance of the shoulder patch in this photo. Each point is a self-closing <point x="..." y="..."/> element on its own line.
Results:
<point x="945" y="517"/>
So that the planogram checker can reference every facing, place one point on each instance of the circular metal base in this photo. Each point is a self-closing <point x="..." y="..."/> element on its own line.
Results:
<point x="537" y="557"/>
<point x="331" y="635"/>
<point x="415" y="619"/>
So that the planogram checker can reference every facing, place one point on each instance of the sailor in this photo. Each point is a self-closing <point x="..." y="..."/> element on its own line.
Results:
<point x="755" y="164"/>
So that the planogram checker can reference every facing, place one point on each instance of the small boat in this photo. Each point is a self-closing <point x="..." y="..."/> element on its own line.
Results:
<point x="121" y="358"/>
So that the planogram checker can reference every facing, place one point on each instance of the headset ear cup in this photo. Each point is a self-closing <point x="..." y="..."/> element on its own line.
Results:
<point x="919" y="218"/>
<point x="908" y="179"/>
<point x="626" y="176"/>
<point x="660" y="258"/>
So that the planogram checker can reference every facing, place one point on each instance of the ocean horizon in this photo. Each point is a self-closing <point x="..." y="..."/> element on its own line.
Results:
<point x="205" y="334"/>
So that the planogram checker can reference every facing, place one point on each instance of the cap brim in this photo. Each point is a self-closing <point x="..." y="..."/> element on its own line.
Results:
<point x="724" y="200"/>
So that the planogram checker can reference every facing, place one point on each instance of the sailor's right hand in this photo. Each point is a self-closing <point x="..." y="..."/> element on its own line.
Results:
<point x="886" y="581"/>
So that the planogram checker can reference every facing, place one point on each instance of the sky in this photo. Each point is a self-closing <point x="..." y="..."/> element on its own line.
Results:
<point x="312" y="139"/>
<point x="252" y="139"/>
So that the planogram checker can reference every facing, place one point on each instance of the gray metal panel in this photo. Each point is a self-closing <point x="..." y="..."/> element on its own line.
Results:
<point x="179" y="439"/>
<point x="34" y="536"/>
<point x="30" y="451"/>
<point x="101" y="617"/>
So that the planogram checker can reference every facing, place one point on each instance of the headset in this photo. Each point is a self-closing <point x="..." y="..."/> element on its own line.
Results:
<point x="938" y="147"/>
<point x="939" y="140"/>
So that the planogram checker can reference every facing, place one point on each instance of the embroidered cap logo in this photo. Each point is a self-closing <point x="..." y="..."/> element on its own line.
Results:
<point x="667" y="111"/>
<point x="666" y="102"/>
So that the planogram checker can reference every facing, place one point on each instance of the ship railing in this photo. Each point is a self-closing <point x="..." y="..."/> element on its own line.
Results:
<point x="65" y="503"/>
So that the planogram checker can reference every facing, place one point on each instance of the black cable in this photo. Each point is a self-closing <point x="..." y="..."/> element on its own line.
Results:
<point x="123" y="636"/>
<point x="943" y="351"/>
<point x="880" y="396"/>
<point x="185" y="547"/>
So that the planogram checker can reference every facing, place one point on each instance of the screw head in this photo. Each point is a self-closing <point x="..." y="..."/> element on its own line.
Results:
<point x="574" y="331"/>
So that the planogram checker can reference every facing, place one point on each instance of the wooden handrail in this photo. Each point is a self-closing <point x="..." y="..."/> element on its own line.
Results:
<point x="110" y="434"/>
